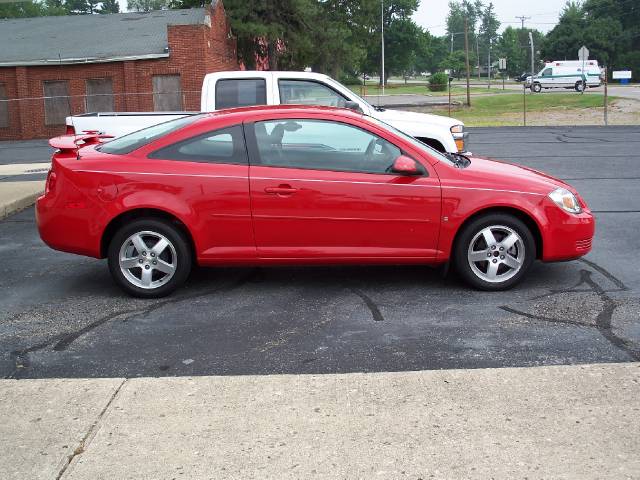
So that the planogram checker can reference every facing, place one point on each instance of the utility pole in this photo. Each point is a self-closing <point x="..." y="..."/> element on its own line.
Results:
<point x="451" y="42"/>
<point x="478" y="54"/>
<point x="466" y="53"/>
<point x="522" y="19"/>
<point x="533" y="54"/>
<point x="382" y="31"/>
<point x="489" y="66"/>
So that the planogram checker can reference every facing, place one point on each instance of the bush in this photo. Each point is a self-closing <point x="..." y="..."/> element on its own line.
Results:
<point x="438" y="82"/>
<point x="349" y="79"/>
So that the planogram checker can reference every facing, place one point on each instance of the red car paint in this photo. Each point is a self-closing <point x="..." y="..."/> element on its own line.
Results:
<point x="255" y="214"/>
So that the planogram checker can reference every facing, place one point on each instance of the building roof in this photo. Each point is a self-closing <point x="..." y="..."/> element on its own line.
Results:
<point x="92" y="38"/>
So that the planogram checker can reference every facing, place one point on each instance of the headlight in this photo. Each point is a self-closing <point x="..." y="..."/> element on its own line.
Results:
<point x="457" y="129"/>
<point x="566" y="200"/>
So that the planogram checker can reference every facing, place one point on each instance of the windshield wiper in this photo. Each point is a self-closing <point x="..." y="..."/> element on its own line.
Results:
<point x="459" y="160"/>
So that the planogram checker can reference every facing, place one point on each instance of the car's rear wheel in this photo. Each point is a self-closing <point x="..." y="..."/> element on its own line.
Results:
<point x="149" y="258"/>
<point x="579" y="86"/>
<point x="494" y="251"/>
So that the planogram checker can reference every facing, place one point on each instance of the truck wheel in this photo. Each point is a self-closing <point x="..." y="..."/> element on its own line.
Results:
<point x="579" y="86"/>
<point x="494" y="252"/>
<point x="149" y="258"/>
<point x="536" y="87"/>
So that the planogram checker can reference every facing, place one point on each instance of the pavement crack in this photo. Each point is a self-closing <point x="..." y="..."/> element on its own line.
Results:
<point x="86" y="439"/>
<point x="62" y="342"/>
<point x="371" y="305"/>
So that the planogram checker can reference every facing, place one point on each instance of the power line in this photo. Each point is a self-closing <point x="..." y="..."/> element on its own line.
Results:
<point x="523" y="19"/>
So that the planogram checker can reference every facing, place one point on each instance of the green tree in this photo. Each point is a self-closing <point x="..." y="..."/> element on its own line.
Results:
<point x="109" y="6"/>
<point x="487" y="34"/>
<point x="147" y="5"/>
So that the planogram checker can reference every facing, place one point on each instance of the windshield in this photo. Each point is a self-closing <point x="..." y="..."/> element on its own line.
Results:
<point x="133" y="141"/>
<point x="415" y="142"/>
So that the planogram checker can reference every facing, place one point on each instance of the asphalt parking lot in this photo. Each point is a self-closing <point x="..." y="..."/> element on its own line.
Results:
<point x="61" y="315"/>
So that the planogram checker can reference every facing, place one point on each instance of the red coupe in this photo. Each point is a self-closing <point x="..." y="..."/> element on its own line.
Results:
<point x="299" y="185"/>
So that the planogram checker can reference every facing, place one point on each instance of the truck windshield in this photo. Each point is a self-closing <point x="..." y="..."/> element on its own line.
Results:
<point x="133" y="141"/>
<point x="416" y="143"/>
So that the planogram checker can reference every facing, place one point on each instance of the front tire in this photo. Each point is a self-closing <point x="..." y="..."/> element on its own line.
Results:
<point x="149" y="258"/>
<point x="494" y="252"/>
<point x="536" y="88"/>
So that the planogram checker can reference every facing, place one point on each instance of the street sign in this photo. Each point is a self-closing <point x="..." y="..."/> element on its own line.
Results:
<point x="502" y="64"/>
<point x="583" y="53"/>
<point x="620" y="74"/>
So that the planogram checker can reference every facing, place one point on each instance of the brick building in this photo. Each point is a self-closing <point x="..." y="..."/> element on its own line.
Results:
<point x="120" y="62"/>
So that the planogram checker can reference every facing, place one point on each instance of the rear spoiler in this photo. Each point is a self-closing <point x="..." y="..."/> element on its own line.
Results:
<point x="73" y="143"/>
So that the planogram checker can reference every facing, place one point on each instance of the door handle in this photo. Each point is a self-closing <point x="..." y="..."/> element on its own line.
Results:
<point x="281" y="190"/>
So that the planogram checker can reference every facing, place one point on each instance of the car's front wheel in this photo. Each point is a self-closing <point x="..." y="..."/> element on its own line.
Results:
<point x="493" y="252"/>
<point x="149" y="258"/>
<point x="536" y="87"/>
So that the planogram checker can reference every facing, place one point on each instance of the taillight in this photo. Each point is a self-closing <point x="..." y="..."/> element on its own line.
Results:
<point x="70" y="130"/>
<point x="50" y="184"/>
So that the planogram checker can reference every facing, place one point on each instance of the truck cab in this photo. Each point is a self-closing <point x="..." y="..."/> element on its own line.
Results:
<point x="245" y="88"/>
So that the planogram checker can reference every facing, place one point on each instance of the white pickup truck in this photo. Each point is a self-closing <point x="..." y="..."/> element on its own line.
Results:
<point x="222" y="90"/>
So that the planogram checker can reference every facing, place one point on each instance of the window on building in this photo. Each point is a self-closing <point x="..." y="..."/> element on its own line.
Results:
<point x="167" y="93"/>
<point x="4" y="106"/>
<point x="221" y="146"/>
<point x="242" y="92"/>
<point x="57" y="102"/>
<point x="99" y="95"/>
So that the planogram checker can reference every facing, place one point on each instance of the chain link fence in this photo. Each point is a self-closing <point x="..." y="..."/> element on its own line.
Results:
<point x="498" y="103"/>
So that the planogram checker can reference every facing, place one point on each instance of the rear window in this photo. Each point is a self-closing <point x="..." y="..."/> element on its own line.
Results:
<point x="244" y="92"/>
<point x="133" y="141"/>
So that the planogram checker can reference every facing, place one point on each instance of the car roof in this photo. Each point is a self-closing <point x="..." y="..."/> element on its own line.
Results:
<point x="259" y="110"/>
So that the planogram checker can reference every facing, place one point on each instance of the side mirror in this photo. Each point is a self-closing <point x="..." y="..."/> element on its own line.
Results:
<point x="405" y="166"/>
<point x="353" y="106"/>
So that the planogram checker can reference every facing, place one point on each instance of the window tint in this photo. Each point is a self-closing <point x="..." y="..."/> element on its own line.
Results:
<point x="222" y="146"/>
<point x="135" y="140"/>
<point x="240" y="93"/>
<point x="547" y="73"/>
<point x="303" y="92"/>
<point x="323" y="145"/>
<point x="56" y="102"/>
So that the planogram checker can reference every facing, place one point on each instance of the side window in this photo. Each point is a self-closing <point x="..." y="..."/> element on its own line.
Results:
<point x="306" y="92"/>
<point x="240" y="93"/>
<point x="322" y="145"/>
<point x="547" y="72"/>
<point x="222" y="146"/>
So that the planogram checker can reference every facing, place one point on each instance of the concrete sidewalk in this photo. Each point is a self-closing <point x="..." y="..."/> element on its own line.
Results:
<point x="545" y="422"/>
<point x="16" y="196"/>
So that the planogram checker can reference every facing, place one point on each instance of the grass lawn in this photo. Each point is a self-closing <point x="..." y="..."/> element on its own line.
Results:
<point x="417" y="89"/>
<point x="507" y="109"/>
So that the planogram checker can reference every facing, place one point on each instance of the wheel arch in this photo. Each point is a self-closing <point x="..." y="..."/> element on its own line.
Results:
<point x="121" y="219"/>
<point x="520" y="214"/>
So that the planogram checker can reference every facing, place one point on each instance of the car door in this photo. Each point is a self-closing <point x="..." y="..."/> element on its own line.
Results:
<point x="321" y="189"/>
<point x="547" y="79"/>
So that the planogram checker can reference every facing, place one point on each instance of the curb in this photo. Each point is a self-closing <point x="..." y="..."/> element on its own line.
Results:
<point x="15" y="206"/>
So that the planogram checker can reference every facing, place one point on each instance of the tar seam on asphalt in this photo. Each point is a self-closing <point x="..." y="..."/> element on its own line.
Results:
<point x="371" y="305"/>
<point x="603" y="319"/>
<point x="62" y="342"/>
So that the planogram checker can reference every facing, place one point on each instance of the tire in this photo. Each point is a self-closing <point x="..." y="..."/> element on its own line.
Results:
<point x="482" y="264"/>
<point x="536" y="88"/>
<point x="156" y="271"/>
<point x="579" y="87"/>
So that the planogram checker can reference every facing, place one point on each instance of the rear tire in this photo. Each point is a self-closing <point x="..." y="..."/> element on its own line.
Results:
<point x="149" y="258"/>
<point x="494" y="251"/>
<point x="579" y="87"/>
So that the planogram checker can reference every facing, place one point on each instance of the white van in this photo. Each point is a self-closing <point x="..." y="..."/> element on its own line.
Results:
<point x="567" y="74"/>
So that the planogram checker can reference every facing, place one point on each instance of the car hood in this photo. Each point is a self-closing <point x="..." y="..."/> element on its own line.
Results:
<point x="508" y="176"/>
<point x="404" y="117"/>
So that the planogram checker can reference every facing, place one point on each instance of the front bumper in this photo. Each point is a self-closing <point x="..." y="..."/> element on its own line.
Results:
<point x="567" y="236"/>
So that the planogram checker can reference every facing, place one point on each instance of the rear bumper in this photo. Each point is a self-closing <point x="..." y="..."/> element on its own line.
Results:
<point x="567" y="236"/>
<point x="66" y="227"/>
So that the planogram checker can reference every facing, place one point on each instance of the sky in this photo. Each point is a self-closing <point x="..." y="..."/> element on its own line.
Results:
<point x="432" y="14"/>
